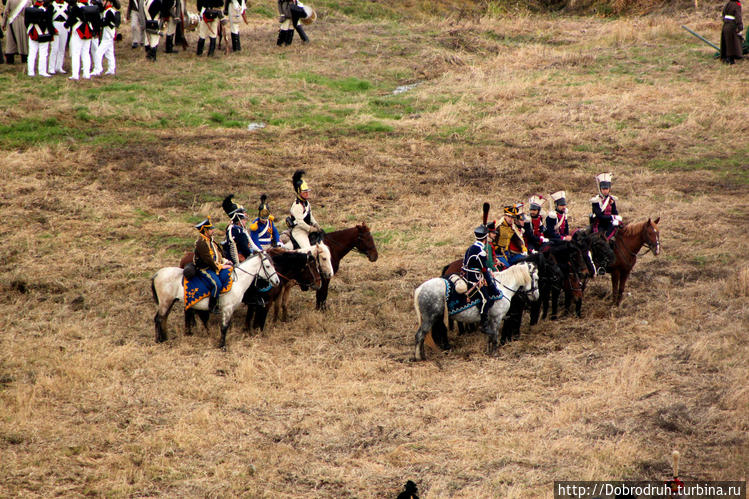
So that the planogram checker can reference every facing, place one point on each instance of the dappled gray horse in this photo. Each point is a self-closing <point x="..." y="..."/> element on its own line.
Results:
<point x="430" y="302"/>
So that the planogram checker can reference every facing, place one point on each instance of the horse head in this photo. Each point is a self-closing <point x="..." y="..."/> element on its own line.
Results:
<point x="365" y="243"/>
<point x="584" y="243"/>
<point x="531" y="287"/>
<point x="651" y="236"/>
<point x="267" y="271"/>
<point x="311" y="273"/>
<point x="321" y="253"/>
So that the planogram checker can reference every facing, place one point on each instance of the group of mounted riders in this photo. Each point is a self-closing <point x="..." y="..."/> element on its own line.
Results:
<point x="244" y="239"/>
<point x="501" y="245"/>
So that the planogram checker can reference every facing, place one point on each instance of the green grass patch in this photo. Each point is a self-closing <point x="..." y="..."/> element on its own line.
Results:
<point x="373" y="127"/>
<point x="732" y="169"/>
<point x="350" y="84"/>
<point x="33" y="131"/>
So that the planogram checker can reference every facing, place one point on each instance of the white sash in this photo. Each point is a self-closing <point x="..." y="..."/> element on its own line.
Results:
<point x="19" y="8"/>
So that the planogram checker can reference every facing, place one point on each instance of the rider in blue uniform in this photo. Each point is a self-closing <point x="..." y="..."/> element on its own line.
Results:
<point x="477" y="274"/>
<point x="238" y="246"/>
<point x="605" y="217"/>
<point x="557" y="226"/>
<point x="262" y="230"/>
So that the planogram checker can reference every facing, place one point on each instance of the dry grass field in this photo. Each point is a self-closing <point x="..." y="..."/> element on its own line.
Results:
<point x="102" y="181"/>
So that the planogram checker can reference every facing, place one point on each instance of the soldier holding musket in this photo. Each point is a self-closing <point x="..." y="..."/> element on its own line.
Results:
<point x="210" y="16"/>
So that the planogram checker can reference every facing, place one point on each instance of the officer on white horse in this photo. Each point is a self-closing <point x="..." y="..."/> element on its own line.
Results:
<point x="209" y="261"/>
<point x="476" y="272"/>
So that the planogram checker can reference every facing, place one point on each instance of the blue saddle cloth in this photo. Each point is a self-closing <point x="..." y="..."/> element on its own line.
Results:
<point x="457" y="302"/>
<point x="198" y="287"/>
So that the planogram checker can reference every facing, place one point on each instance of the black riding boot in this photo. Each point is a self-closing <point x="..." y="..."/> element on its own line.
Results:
<point x="211" y="47"/>
<point x="9" y="58"/>
<point x="302" y="34"/>
<point x="169" y="44"/>
<point x="235" y="42"/>
<point x="281" y="36"/>
<point x="289" y="36"/>
<point x="213" y="305"/>
<point x="485" y="326"/>
<point x="153" y="54"/>
<point x="24" y="58"/>
<point x="201" y="45"/>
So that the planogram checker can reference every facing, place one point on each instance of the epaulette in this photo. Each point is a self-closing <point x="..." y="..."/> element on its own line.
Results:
<point x="595" y="199"/>
<point x="613" y="197"/>
<point x="553" y="215"/>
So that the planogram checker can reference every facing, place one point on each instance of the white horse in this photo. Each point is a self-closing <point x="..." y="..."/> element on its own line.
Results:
<point x="167" y="288"/>
<point x="430" y="302"/>
<point x="321" y="252"/>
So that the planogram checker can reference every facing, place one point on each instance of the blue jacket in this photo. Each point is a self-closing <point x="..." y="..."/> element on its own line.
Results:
<point x="237" y="243"/>
<point x="554" y="233"/>
<point x="265" y="234"/>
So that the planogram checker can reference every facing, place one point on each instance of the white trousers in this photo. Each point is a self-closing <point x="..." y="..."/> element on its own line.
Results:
<point x="152" y="40"/>
<point x="80" y="54"/>
<point x="57" y="47"/>
<point x="105" y="49"/>
<point x="94" y="46"/>
<point x="235" y="18"/>
<point x="41" y="49"/>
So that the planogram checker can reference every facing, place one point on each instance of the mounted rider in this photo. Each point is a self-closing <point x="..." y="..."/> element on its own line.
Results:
<point x="301" y="222"/>
<point x="263" y="231"/>
<point x="209" y="261"/>
<point x="605" y="217"/>
<point x="476" y="272"/>
<point x="557" y="224"/>
<point x="533" y="228"/>
<point x="238" y="245"/>
<point x="491" y="240"/>
<point x="510" y="243"/>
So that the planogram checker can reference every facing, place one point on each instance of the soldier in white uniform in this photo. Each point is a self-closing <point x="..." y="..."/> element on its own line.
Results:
<point x="177" y="16"/>
<point x="110" y="20"/>
<point x="301" y="221"/>
<point x="152" y="12"/>
<point x="136" y="24"/>
<point x="39" y="28"/>
<point x="57" y="46"/>
<point x="210" y="16"/>
<point x="235" y="10"/>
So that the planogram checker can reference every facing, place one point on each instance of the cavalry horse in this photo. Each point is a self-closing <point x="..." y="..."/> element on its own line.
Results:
<point x="293" y="267"/>
<point x="166" y="285"/>
<point x="341" y="242"/>
<point x="430" y="302"/>
<point x="630" y="239"/>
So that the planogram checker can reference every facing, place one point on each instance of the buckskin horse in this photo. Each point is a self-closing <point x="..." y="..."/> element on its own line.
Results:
<point x="341" y="242"/>
<point x="630" y="239"/>
<point x="166" y="285"/>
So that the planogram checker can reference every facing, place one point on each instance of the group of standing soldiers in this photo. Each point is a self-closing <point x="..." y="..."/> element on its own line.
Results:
<point x="499" y="246"/>
<point x="40" y="31"/>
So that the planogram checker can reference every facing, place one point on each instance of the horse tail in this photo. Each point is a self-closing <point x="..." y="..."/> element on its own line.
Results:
<point x="445" y="315"/>
<point x="417" y="291"/>
<point x="153" y="289"/>
<point x="444" y="269"/>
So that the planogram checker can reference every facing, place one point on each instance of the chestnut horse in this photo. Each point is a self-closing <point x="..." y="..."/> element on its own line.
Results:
<point x="630" y="239"/>
<point x="341" y="242"/>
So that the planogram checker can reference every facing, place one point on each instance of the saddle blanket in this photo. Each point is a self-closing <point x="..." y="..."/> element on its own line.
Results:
<point x="198" y="287"/>
<point x="457" y="302"/>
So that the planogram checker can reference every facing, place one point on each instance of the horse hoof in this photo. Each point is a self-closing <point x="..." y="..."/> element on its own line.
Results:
<point x="554" y="317"/>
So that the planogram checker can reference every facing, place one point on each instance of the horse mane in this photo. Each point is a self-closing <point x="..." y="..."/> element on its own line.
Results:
<point x="633" y="228"/>
<point x="519" y="273"/>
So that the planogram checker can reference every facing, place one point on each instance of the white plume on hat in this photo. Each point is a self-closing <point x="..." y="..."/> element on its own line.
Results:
<point x="558" y="195"/>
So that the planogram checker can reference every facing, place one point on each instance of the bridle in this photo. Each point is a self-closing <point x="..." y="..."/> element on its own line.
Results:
<point x="263" y="258"/>
<point x="534" y="284"/>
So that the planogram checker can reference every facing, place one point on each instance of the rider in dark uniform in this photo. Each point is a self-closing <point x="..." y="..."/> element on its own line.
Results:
<point x="533" y="228"/>
<point x="238" y="245"/>
<point x="557" y="227"/>
<point x="605" y="217"/>
<point x="477" y="274"/>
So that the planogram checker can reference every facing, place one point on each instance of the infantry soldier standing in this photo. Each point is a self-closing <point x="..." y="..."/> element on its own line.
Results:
<point x="153" y="11"/>
<point x="730" y="38"/>
<point x="16" y="41"/>
<point x="110" y="20"/>
<point x="38" y="20"/>
<point x="557" y="228"/>
<point x="60" y="10"/>
<point x="301" y="220"/>
<point x="210" y="15"/>
<point x="605" y="217"/>
<point x="286" y="30"/>
<point x="176" y="17"/>
<point x="235" y="9"/>
<point x="136" y="23"/>
<point x="83" y="21"/>
<point x="262" y="230"/>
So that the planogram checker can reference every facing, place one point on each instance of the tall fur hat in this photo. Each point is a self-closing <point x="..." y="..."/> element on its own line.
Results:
<point x="536" y="202"/>
<point x="603" y="180"/>
<point x="233" y="210"/>
<point x="560" y="198"/>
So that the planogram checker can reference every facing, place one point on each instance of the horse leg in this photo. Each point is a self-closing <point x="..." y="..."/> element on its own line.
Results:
<point x="544" y="299"/>
<point x="535" y="312"/>
<point x="224" y="330"/>
<point x="567" y="301"/>
<point x="420" y="335"/>
<point x="622" y="281"/>
<point x="614" y="286"/>
<point x="189" y="321"/>
<point x="261" y="314"/>
<point x="285" y="303"/>
<point x="579" y="307"/>
<point x="555" y="303"/>
<point x="322" y="295"/>
<point x="160" y="321"/>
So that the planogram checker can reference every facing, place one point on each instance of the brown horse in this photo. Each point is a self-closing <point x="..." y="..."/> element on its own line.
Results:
<point x="341" y="242"/>
<point x="630" y="239"/>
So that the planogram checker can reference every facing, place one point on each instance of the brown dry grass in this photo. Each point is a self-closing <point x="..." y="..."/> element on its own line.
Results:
<point x="329" y="405"/>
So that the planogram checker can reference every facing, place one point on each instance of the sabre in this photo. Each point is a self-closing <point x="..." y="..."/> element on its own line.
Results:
<point x="701" y="38"/>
